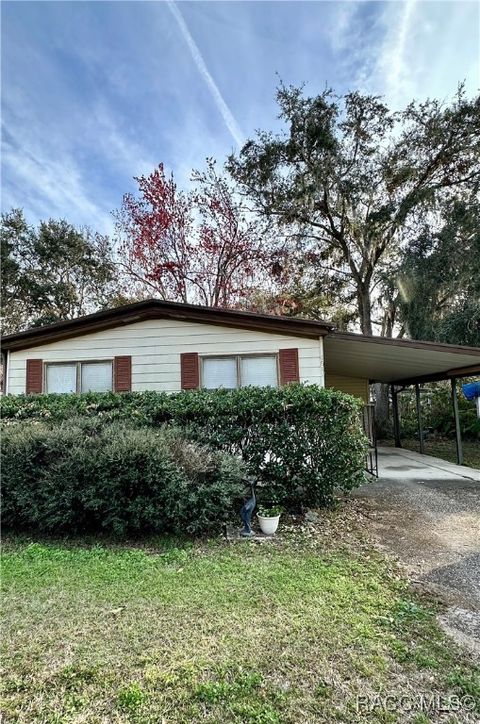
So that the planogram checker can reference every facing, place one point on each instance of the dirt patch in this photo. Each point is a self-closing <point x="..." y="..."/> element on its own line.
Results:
<point x="463" y="626"/>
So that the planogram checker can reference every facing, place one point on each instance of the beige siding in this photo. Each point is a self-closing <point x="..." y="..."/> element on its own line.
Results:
<point x="356" y="386"/>
<point x="156" y="345"/>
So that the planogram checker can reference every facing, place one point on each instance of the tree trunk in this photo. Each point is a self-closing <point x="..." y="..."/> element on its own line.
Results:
<point x="380" y="390"/>
<point x="382" y="422"/>
<point x="364" y="308"/>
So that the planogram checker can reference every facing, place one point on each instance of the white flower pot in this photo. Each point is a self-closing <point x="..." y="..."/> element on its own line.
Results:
<point x="268" y="526"/>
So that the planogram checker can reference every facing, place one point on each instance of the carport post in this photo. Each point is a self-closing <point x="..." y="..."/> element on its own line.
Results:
<point x="458" y="434"/>
<point x="419" y="418"/>
<point x="396" y="418"/>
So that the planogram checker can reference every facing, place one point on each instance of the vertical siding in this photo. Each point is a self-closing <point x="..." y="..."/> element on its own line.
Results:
<point x="356" y="386"/>
<point x="155" y="347"/>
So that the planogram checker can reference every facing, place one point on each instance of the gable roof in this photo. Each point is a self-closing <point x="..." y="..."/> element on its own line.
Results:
<point x="378" y="359"/>
<point x="157" y="309"/>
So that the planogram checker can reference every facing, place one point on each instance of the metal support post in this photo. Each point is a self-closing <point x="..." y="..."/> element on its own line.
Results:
<point x="456" y="417"/>
<point x="396" y="418"/>
<point x="419" y="419"/>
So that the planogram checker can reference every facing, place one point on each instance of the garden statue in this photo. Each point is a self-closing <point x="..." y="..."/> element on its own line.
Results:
<point x="247" y="510"/>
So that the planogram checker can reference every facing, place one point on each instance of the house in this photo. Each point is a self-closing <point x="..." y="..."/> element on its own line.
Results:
<point x="166" y="346"/>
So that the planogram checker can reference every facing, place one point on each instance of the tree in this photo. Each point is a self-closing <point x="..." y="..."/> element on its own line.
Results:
<point x="13" y="236"/>
<point x="439" y="278"/>
<point x="52" y="272"/>
<point x="351" y="181"/>
<point x="300" y="287"/>
<point x="198" y="246"/>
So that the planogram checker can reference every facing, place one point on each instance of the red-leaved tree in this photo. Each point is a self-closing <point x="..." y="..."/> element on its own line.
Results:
<point x="198" y="246"/>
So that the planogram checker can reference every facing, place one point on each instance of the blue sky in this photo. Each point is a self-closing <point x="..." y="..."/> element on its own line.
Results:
<point x="94" y="93"/>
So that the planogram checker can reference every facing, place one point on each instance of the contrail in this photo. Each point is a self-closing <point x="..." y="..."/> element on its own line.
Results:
<point x="397" y="53"/>
<point x="225" y="111"/>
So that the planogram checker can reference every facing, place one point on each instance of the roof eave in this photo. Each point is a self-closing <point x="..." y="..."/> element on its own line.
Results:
<point x="439" y="376"/>
<point x="155" y="309"/>
<point x="412" y="343"/>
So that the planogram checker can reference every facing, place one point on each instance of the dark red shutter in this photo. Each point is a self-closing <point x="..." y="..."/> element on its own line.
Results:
<point x="122" y="374"/>
<point x="190" y="376"/>
<point x="288" y="362"/>
<point x="34" y="384"/>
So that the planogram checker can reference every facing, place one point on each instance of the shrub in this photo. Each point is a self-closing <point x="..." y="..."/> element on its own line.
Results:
<point x="79" y="476"/>
<point x="301" y="442"/>
<point x="437" y="413"/>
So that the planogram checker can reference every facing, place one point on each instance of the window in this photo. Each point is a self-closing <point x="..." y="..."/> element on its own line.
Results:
<point x="61" y="378"/>
<point x="96" y="376"/>
<point x="220" y="372"/>
<point x="259" y="371"/>
<point x="239" y="371"/>
<point x="78" y="377"/>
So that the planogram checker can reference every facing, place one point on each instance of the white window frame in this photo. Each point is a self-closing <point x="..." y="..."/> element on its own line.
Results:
<point x="78" y="375"/>
<point x="238" y="358"/>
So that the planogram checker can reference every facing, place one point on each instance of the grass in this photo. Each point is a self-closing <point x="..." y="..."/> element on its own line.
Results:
<point x="286" y="631"/>
<point x="444" y="448"/>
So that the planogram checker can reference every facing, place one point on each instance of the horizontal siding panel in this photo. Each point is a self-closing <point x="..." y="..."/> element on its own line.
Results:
<point x="156" y="345"/>
<point x="149" y="355"/>
<point x="163" y="345"/>
<point x="157" y="386"/>
<point x="173" y="327"/>
<point x="151" y="362"/>
<point x="187" y="331"/>
<point x="356" y="386"/>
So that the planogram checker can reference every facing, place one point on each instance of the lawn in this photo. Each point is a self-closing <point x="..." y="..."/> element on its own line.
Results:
<point x="291" y="630"/>
<point x="444" y="447"/>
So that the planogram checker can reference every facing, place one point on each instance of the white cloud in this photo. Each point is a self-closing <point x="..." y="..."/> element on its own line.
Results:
<point x="51" y="185"/>
<point x="123" y="151"/>
<point x="397" y="53"/>
<point x="407" y="50"/>
<point x="341" y="25"/>
<point x="89" y="109"/>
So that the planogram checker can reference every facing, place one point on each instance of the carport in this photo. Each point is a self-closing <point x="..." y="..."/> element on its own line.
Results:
<point x="402" y="364"/>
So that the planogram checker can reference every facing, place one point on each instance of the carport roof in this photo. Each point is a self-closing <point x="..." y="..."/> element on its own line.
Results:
<point x="382" y="359"/>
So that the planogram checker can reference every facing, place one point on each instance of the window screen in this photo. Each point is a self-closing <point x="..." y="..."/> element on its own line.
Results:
<point x="259" y="371"/>
<point x="61" y="378"/>
<point x="220" y="372"/>
<point x="96" y="376"/>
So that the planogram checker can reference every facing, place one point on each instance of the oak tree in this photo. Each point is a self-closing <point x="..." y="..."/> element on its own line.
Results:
<point x="350" y="181"/>
<point x="439" y="278"/>
<point x="52" y="272"/>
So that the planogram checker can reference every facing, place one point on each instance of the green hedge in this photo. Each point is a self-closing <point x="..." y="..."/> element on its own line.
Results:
<point x="301" y="442"/>
<point x="79" y="476"/>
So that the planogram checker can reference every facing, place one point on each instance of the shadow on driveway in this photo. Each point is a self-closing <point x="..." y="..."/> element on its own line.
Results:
<point x="426" y="512"/>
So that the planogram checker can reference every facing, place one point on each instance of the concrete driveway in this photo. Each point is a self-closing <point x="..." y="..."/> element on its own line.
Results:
<point x="426" y="512"/>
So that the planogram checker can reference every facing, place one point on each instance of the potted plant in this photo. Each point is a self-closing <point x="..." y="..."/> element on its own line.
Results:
<point x="268" y="518"/>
